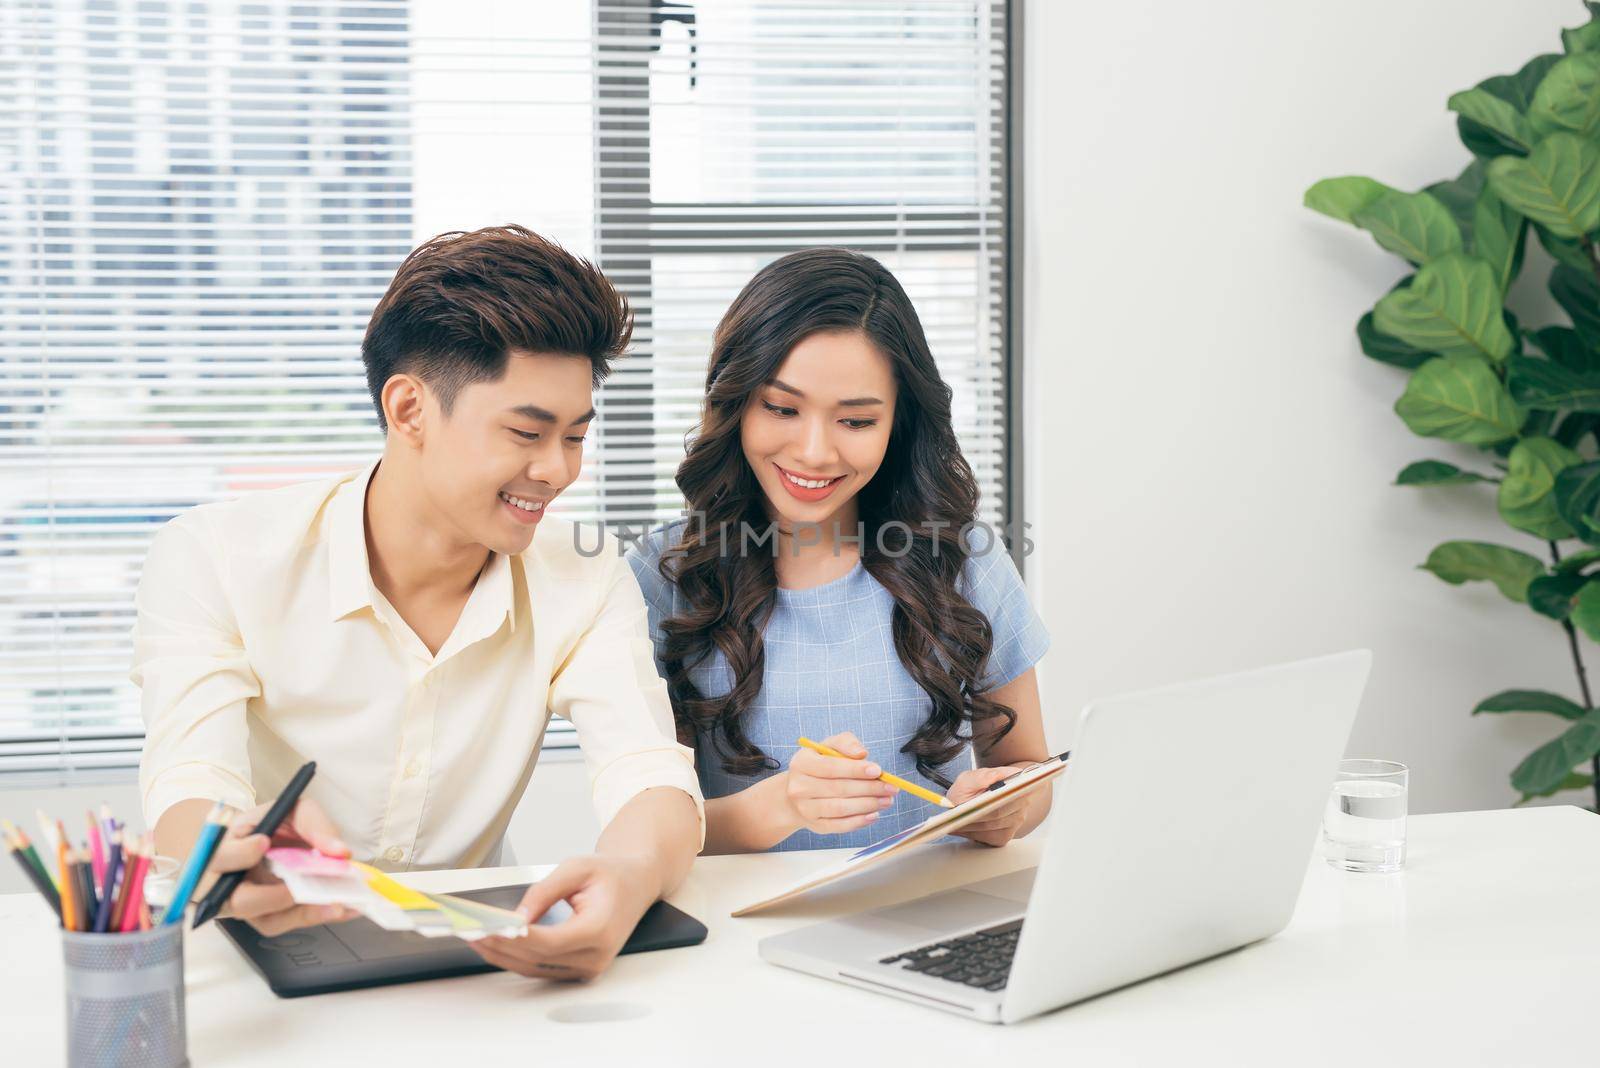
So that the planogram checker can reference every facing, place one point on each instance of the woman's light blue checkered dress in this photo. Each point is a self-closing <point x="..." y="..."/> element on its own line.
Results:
<point x="831" y="666"/>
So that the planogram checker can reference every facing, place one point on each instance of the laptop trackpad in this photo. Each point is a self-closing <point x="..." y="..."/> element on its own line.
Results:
<point x="952" y="909"/>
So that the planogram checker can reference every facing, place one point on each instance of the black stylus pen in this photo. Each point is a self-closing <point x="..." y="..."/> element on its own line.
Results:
<point x="224" y="887"/>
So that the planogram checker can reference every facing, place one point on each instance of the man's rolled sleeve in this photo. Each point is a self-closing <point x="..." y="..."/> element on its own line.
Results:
<point x="608" y="688"/>
<point x="194" y="678"/>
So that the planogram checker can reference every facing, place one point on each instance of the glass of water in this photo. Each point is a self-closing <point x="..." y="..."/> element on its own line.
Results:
<point x="1364" y="826"/>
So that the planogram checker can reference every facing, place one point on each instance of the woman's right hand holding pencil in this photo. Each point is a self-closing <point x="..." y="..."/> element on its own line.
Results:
<point x="832" y="795"/>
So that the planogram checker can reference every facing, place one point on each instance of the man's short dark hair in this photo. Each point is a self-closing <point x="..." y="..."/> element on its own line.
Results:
<point x="461" y="303"/>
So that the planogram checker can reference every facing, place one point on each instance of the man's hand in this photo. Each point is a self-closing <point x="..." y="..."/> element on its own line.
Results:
<point x="997" y="826"/>
<point x="608" y="894"/>
<point x="262" y="900"/>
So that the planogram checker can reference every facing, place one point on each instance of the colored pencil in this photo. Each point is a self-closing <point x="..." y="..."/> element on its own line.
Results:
<point x="97" y="853"/>
<point x="29" y="854"/>
<point x="108" y="887"/>
<point x="131" y="908"/>
<point x="69" y="906"/>
<point x="38" y="861"/>
<point x="108" y="827"/>
<point x="35" y="876"/>
<point x="893" y="780"/>
<point x="119" y="904"/>
<point x="87" y="902"/>
<point x="75" y="876"/>
<point x="199" y="857"/>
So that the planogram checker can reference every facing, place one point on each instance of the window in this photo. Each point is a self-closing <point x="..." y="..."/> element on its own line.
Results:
<point x="201" y="203"/>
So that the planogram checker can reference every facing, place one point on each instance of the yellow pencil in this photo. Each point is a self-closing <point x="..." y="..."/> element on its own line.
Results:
<point x="893" y="780"/>
<point x="69" y="908"/>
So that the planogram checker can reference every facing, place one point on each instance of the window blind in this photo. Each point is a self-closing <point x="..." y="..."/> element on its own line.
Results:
<point x="200" y="204"/>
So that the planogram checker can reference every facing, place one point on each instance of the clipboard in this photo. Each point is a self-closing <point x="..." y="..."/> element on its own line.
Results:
<point x="938" y="825"/>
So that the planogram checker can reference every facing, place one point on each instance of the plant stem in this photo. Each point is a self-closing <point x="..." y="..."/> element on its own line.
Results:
<point x="1577" y="663"/>
<point x="1572" y="638"/>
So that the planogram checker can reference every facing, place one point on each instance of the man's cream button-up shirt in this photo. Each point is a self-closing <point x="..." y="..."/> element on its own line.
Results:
<point x="261" y="643"/>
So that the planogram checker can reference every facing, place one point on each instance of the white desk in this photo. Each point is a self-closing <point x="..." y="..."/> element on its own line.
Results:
<point x="1483" y="952"/>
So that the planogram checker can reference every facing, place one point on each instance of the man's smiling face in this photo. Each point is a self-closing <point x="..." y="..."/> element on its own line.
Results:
<point x="508" y="447"/>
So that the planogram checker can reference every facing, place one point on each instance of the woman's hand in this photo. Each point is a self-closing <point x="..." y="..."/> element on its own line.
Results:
<point x="262" y="900"/>
<point x="832" y="795"/>
<point x="998" y="825"/>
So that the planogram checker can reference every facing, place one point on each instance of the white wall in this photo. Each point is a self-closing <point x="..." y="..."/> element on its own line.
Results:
<point x="1220" y="453"/>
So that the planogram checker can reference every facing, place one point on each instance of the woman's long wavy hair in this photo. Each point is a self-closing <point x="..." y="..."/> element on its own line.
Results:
<point x="924" y="488"/>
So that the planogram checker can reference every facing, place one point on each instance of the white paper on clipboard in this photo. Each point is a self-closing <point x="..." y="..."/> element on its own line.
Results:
<point x="938" y="825"/>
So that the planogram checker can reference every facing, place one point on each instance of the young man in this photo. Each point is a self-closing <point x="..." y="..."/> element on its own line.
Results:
<point x="411" y="627"/>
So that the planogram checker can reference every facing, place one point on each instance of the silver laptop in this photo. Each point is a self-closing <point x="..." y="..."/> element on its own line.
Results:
<point x="1181" y="829"/>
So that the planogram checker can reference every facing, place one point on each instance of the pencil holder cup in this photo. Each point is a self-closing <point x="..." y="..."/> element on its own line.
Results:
<point x="125" y="999"/>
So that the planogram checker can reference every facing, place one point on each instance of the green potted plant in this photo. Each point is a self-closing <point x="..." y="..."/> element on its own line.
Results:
<point x="1527" y="399"/>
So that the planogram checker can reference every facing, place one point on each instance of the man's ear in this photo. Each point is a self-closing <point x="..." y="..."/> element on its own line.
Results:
<point x="403" y="397"/>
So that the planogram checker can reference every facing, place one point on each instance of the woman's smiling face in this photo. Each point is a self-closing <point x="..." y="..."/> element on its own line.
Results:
<point x="817" y="432"/>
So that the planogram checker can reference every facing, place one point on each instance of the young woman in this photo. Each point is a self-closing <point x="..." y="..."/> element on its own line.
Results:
<point x="831" y="581"/>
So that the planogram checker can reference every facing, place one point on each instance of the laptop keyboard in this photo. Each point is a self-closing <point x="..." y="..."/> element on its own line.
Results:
<point x="981" y="959"/>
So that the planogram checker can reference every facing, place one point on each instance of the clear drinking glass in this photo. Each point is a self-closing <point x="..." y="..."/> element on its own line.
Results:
<point x="1364" y="825"/>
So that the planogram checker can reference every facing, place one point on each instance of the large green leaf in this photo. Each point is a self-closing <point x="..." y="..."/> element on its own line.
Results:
<point x="1586" y="609"/>
<point x="1549" y="765"/>
<point x="1493" y="113"/>
<point x="1546" y="385"/>
<point x="1451" y="307"/>
<point x="1579" y="296"/>
<point x="1564" y="249"/>
<point x="1388" y="349"/>
<point x="1483" y="142"/>
<point x="1459" y="195"/>
<point x="1568" y="97"/>
<point x="1557" y="185"/>
<point x="1552" y="595"/>
<point x="1413" y="225"/>
<point x="1577" y="493"/>
<point x="1530" y="701"/>
<point x="1341" y="198"/>
<point x="1472" y="561"/>
<point x="1458" y="398"/>
<point x="1525" y="500"/>
<point x="1574" y="781"/>
<point x="1575" y="426"/>
<point x="1499" y="233"/>
<point x="1578" y="561"/>
<point x="1536" y="425"/>
<point x="1515" y="89"/>
<point x="1436" y="473"/>
<point x="1514" y="328"/>
<point x="1564" y="346"/>
<point x="1585" y="38"/>
<point x="1519" y="89"/>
